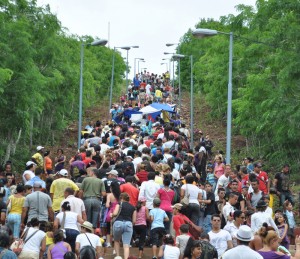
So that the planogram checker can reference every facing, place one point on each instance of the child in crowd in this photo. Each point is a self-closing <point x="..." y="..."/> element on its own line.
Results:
<point x="183" y="238"/>
<point x="283" y="230"/>
<point x="210" y="177"/>
<point x="288" y="210"/>
<point x="140" y="227"/>
<point x="157" y="218"/>
<point x="168" y="250"/>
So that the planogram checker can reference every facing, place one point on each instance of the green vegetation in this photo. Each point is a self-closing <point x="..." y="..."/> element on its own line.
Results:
<point x="266" y="76"/>
<point x="39" y="75"/>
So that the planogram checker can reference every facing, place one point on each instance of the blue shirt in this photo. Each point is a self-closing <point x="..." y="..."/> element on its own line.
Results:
<point x="158" y="218"/>
<point x="36" y="179"/>
<point x="8" y="254"/>
<point x="136" y="82"/>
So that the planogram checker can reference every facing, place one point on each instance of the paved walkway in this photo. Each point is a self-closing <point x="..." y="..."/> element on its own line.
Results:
<point x="133" y="251"/>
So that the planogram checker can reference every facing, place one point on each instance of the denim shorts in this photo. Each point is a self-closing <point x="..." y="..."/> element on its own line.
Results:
<point x="124" y="230"/>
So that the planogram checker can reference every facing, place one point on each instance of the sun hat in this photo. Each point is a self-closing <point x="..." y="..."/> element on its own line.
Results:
<point x="177" y="206"/>
<point x="88" y="226"/>
<point x="244" y="233"/>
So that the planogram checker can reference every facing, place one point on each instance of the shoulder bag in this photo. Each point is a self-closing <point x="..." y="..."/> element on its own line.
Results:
<point x="185" y="201"/>
<point x="194" y="230"/>
<point x="18" y="244"/>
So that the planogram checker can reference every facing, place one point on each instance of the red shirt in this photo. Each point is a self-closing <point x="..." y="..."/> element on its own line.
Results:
<point x="148" y="142"/>
<point x="178" y="220"/>
<point x="132" y="192"/>
<point x="263" y="179"/>
<point x="87" y="160"/>
<point x="143" y="176"/>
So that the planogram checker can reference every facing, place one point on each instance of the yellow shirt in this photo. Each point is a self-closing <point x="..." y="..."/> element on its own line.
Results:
<point x="158" y="93"/>
<point x="39" y="159"/>
<point x="16" y="204"/>
<point x="49" y="240"/>
<point x="58" y="188"/>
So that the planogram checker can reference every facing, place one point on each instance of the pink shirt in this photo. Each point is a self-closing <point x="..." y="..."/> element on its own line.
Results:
<point x="141" y="217"/>
<point x="166" y="197"/>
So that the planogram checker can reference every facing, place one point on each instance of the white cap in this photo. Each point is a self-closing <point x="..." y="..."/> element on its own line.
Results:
<point x="63" y="172"/>
<point x="39" y="148"/>
<point x="29" y="163"/>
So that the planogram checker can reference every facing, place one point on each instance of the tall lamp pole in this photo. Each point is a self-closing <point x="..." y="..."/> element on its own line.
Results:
<point x="202" y="33"/>
<point x="192" y="104"/>
<point x="139" y="64"/>
<point x="113" y="72"/>
<point x="135" y="64"/>
<point x="170" y="53"/>
<point x="178" y="57"/>
<point x="95" y="43"/>
<point x="165" y="63"/>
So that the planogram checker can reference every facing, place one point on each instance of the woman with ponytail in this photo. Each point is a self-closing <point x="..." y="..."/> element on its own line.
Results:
<point x="271" y="242"/>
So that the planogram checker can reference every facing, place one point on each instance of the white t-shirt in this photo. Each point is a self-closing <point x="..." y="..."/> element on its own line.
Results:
<point x="148" y="89"/>
<point x="104" y="147"/>
<point x="193" y="191"/>
<point x="34" y="243"/>
<point x="232" y="229"/>
<point x="227" y="209"/>
<point x="30" y="173"/>
<point x="175" y="174"/>
<point x="70" y="221"/>
<point x="181" y="241"/>
<point x="83" y="240"/>
<point x="223" y="181"/>
<point x="219" y="240"/>
<point x="241" y="252"/>
<point x="171" y="252"/>
<point x="258" y="218"/>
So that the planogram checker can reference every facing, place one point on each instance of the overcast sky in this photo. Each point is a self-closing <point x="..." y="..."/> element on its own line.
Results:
<point x="148" y="24"/>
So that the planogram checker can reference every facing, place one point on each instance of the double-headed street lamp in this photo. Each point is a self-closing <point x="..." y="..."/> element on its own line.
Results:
<point x="135" y="59"/>
<point x="113" y="72"/>
<point x="95" y="43"/>
<point x="127" y="48"/>
<point x="139" y="64"/>
<point x="202" y="33"/>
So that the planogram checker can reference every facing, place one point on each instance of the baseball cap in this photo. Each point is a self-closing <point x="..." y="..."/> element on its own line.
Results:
<point x="177" y="206"/>
<point x="29" y="163"/>
<point x="63" y="172"/>
<point x="113" y="172"/>
<point x="38" y="148"/>
<point x="37" y="185"/>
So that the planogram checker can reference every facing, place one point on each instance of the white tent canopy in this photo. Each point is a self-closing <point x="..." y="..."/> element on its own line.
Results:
<point x="148" y="109"/>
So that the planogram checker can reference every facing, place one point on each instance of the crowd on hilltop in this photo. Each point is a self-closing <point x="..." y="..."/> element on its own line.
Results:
<point x="136" y="181"/>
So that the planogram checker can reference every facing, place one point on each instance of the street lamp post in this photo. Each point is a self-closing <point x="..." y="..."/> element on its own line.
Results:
<point x="143" y="68"/>
<point x="178" y="57"/>
<point x="95" y="43"/>
<point x="135" y="59"/>
<point x="192" y="104"/>
<point x="201" y="33"/>
<point x="113" y="72"/>
<point x="139" y="64"/>
<point x="127" y="48"/>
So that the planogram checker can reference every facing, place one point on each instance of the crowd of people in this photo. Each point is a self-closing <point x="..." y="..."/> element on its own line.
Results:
<point x="142" y="184"/>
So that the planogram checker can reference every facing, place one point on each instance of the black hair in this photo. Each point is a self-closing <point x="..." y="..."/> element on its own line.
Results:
<point x="20" y="188"/>
<point x="58" y="236"/>
<point x="66" y="206"/>
<point x="34" y="222"/>
<point x="69" y="255"/>
<point x="4" y="239"/>
<point x="237" y="214"/>
<point x="151" y="176"/>
<point x="184" y="228"/>
<point x="115" y="189"/>
<point x="189" y="179"/>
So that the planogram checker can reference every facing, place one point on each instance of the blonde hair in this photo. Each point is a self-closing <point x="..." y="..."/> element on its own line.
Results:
<point x="266" y="234"/>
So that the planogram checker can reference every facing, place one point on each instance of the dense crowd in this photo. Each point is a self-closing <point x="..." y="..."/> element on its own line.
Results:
<point x="139" y="183"/>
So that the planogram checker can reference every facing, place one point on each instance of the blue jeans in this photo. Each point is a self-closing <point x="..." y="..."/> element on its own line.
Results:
<point x="207" y="223"/>
<point x="201" y="218"/>
<point x="286" y="195"/>
<point x="14" y="222"/>
<point x="71" y="235"/>
<point x="124" y="230"/>
<point x="92" y="207"/>
<point x="193" y="212"/>
<point x="168" y="223"/>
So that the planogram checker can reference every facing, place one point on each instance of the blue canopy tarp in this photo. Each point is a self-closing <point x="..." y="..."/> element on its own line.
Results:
<point x="161" y="107"/>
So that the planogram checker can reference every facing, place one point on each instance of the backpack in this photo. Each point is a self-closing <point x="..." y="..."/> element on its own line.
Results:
<point x="177" y="188"/>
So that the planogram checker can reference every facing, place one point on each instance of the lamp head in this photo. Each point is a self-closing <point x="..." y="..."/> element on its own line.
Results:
<point x="177" y="56"/>
<point x="202" y="33"/>
<point x="101" y="42"/>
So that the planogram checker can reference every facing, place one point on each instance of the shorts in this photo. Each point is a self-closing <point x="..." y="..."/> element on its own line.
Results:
<point x="124" y="230"/>
<point x="157" y="235"/>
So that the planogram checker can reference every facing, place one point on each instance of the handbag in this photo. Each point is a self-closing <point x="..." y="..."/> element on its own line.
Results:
<point x="18" y="244"/>
<point x="185" y="200"/>
<point x="194" y="230"/>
